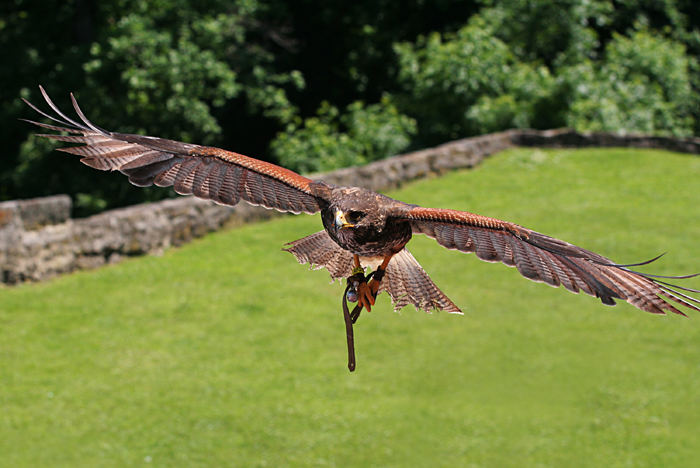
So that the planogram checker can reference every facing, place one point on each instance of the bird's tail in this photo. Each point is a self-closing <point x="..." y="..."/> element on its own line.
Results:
<point x="404" y="280"/>
<point x="319" y="251"/>
<point x="408" y="283"/>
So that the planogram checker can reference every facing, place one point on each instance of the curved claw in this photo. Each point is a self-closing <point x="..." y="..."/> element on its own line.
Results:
<point x="366" y="296"/>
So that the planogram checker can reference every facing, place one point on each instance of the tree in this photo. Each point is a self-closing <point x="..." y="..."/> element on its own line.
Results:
<point x="642" y="85"/>
<point x="322" y="84"/>
<point x="468" y="82"/>
<point x="331" y="140"/>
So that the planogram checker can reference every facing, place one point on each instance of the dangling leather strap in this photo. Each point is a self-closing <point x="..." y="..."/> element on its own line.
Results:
<point x="350" y="318"/>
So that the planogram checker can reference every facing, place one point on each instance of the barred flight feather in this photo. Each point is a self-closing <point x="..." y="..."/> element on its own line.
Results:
<point x="319" y="251"/>
<point x="205" y="172"/>
<point x="542" y="258"/>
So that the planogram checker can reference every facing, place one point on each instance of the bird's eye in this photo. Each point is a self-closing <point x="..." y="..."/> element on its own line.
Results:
<point x="355" y="216"/>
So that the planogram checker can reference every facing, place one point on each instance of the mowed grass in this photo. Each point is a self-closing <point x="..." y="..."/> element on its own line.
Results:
<point x="226" y="352"/>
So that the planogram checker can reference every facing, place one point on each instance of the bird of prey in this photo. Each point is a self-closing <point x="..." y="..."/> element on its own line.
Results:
<point x="362" y="229"/>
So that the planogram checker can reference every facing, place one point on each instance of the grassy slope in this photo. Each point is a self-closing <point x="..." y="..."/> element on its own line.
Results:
<point x="227" y="352"/>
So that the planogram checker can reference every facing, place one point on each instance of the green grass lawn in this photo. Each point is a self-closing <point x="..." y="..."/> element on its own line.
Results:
<point x="226" y="352"/>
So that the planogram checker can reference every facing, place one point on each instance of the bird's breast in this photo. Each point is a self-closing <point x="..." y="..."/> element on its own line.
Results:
<point x="370" y="241"/>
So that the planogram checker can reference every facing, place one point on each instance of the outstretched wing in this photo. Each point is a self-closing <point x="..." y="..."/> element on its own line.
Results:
<point x="205" y="172"/>
<point x="552" y="261"/>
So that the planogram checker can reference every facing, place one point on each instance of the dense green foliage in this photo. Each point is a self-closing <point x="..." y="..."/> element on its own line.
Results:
<point x="318" y="85"/>
<point x="468" y="83"/>
<point x="217" y="355"/>
<point x="643" y="85"/>
<point x="503" y="70"/>
<point x="330" y="140"/>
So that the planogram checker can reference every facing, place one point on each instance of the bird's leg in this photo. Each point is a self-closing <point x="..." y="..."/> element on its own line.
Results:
<point x="363" y="294"/>
<point x="367" y="292"/>
<point x="378" y="276"/>
<point x="356" y="262"/>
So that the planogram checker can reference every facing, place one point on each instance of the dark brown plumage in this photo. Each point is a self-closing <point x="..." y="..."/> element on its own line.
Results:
<point x="362" y="228"/>
<point x="374" y="233"/>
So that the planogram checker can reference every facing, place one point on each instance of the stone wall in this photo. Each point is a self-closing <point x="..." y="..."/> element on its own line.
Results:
<point x="37" y="243"/>
<point x="38" y="240"/>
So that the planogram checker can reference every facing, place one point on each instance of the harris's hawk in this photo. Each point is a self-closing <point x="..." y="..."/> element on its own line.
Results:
<point x="362" y="229"/>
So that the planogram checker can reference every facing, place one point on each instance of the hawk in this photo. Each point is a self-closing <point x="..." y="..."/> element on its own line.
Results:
<point x="362" y="229"/>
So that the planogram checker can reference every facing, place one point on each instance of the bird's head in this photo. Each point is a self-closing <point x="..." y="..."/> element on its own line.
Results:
<point x="355" y="209"/>
<point x="349" y="219"/>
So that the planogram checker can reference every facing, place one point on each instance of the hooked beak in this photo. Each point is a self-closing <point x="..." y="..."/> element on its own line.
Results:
<point x="340" y="221"/>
